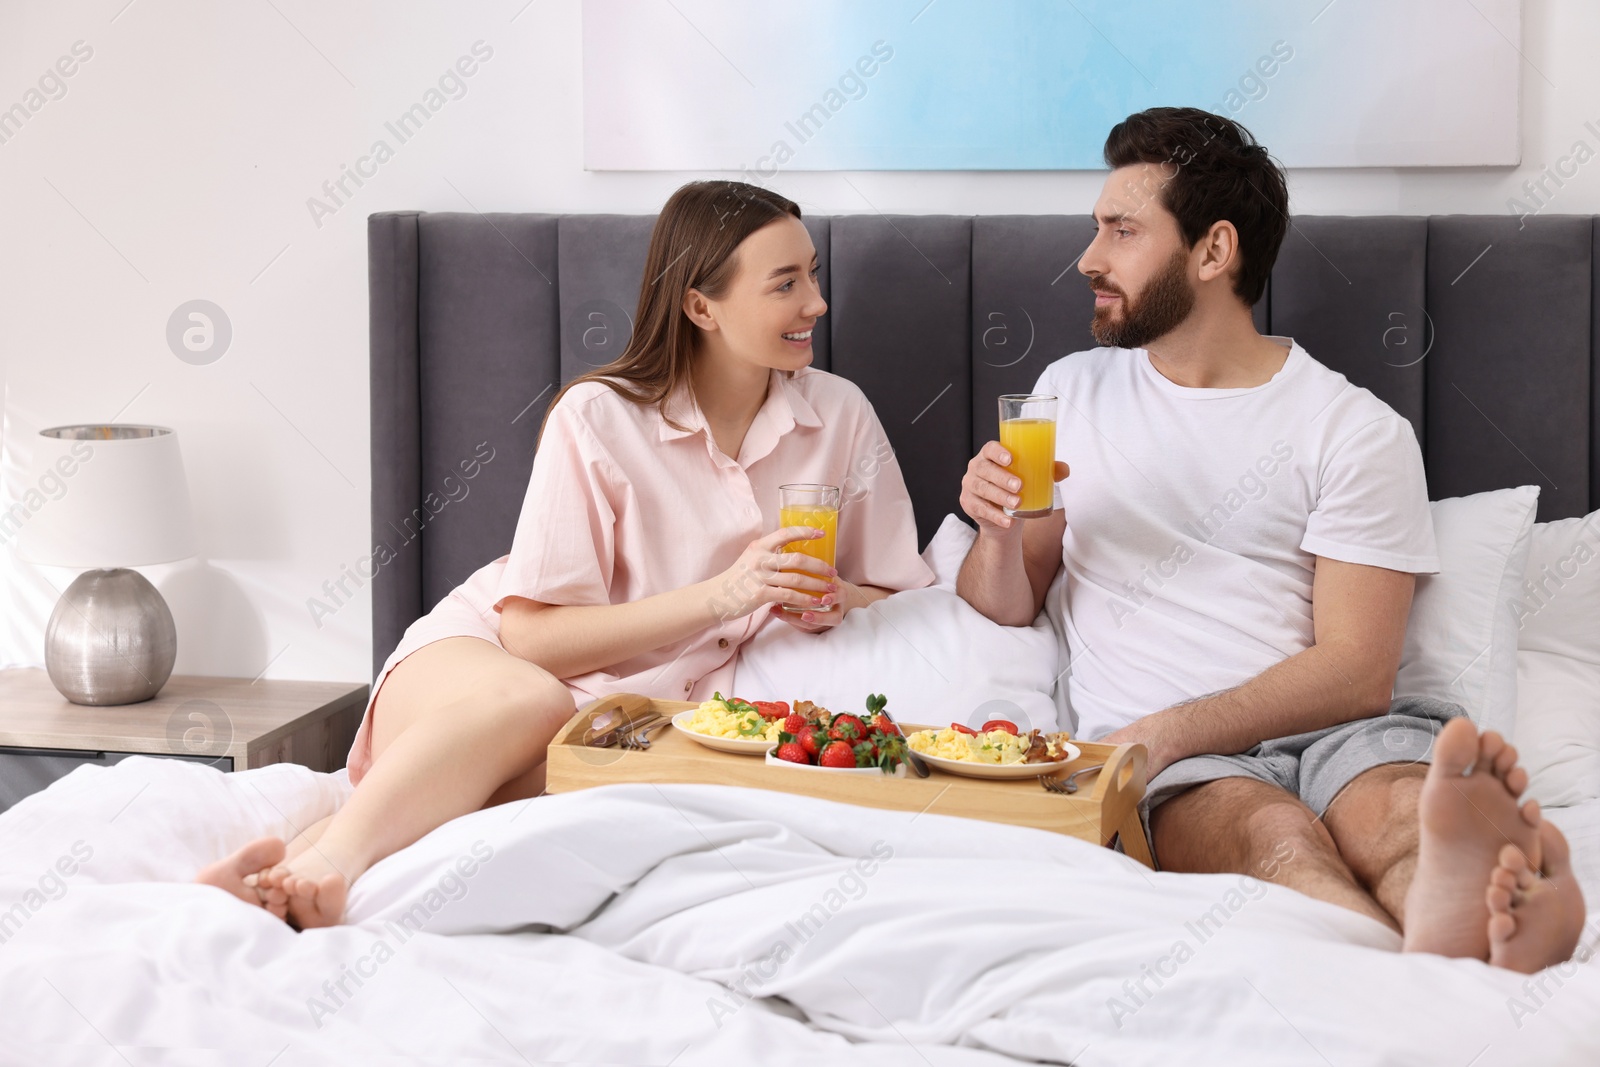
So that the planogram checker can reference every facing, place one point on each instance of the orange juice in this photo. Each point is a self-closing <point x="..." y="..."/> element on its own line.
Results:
<point x="825" y="519"/>
<point x="1032" y="444"/>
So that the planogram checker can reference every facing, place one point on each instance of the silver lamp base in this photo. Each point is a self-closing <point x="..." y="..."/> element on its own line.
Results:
<point x="110" y="639"/>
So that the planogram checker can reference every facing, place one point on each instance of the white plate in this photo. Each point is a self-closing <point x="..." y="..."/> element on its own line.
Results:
<point x="999" y="771"/>
<point x="739" y="746"/>
<point x="774" y="761"/>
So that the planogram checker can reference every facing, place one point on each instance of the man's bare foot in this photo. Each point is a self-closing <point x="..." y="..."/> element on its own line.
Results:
<point x="1466" y="813"/>
<point x="241" y="875"/>
<point x="315" y="890"/>
<point x="1534" y="920"/>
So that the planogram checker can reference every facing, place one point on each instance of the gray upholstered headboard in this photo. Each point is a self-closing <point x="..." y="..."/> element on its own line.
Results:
<point x="1481" y="331"/>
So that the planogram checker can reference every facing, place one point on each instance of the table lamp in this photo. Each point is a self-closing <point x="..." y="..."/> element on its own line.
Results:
<point x="125" y="503"/>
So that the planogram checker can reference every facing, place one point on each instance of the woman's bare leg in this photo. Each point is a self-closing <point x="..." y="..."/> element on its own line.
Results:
<point x="249" y="873"/>
<point x="308" y="837"/>
<point x="252" y="874"/>
<point x="454" y="722"/>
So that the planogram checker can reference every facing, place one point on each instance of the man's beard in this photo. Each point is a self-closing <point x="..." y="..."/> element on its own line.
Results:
<point x="1165" y="302"/>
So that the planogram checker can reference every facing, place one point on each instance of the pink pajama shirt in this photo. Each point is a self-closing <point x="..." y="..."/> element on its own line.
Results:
<point x="622" y="506"/>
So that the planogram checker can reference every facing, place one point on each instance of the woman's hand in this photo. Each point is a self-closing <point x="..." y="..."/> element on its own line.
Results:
<point x="760" y="577"/>
<point x="847" y="598"/>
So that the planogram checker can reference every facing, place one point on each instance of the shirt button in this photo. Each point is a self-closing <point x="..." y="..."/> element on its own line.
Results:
<point x="687" y="686"/>
<point x="722" y="642"/>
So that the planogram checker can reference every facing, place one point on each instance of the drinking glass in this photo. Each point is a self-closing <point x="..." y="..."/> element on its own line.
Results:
<point x="805" y="504"/>
<point x="1028" y="432"/>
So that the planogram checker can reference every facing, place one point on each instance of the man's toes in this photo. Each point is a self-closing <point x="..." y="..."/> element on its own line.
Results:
<point x="1531" y="814"/>
<point x="1456" y="747"/>
<point x="1516" y="781"/>
<point x="1514" y="860"/>
<point x="1506" y="760"/>
<point x="1490" y="745"/>
<point x="1498" y="897"/>
<point x="1502" y="926"/>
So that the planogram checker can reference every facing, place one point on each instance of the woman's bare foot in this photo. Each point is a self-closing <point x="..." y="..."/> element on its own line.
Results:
<point x="314" y="889"/>
<point x="241" y="875"/>
<point x="1534" y="920"/>
<point x="1466" y="813"/>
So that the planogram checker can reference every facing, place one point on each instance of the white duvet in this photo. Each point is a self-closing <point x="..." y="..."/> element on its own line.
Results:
<point x="701" y="924"/>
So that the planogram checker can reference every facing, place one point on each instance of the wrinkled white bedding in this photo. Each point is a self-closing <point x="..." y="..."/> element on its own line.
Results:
<point x="679" y="914"/>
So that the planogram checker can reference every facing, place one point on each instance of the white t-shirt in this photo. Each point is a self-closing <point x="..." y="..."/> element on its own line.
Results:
<point x="1195" y="516"/>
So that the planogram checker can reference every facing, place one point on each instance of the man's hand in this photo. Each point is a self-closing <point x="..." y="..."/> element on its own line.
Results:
<point x="1157" y="741"/>
<point x="988" y="487"/>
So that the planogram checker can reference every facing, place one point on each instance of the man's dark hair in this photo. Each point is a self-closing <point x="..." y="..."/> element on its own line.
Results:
<point x="1212" y="171"/>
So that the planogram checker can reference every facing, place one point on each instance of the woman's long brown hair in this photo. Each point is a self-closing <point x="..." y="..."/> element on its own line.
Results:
<point x="691" y="247"/>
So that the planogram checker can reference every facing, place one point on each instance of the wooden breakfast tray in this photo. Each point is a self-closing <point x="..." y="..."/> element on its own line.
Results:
<point x="1105" y="807"/>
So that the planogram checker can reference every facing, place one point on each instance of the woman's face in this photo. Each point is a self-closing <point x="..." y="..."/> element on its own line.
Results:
<point x="767" y="313"/>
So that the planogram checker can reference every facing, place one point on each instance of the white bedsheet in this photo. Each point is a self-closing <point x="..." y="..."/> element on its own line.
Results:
<point x="930" y="940"/>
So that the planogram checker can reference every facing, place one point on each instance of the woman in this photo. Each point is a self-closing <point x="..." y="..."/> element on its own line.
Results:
<point x="645" y="554"/>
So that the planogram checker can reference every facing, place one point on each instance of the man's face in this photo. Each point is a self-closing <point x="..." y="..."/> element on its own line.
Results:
<point x="1138" y="264"/>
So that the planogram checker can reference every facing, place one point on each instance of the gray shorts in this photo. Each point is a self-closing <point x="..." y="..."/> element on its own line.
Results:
<point x="1315" y="766"/>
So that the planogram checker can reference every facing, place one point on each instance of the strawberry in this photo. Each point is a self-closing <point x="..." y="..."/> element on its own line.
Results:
<point x="794" y="752"/>
<point x="812" y="739"/>
<point x="837" y="754"/>
<point x="847" y="728"/>
<point x="885" y="725"/>
<point x="891" y="752"/>
<point x="795" y="723"/>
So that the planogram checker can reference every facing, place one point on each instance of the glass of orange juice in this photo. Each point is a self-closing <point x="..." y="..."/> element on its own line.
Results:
<point x="804" y="504"/>
<point x="1028" y="432"/>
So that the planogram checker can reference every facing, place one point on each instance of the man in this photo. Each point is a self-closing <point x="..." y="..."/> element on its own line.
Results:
<point x="1241" y="533"/>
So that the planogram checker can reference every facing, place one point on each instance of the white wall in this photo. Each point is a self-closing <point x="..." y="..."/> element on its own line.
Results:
<point x="178" y="165"/>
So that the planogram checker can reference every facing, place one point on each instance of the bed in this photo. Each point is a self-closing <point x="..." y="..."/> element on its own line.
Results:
<point x="705" y="924"/>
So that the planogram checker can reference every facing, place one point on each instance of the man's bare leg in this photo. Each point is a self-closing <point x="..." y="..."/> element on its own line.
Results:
<point x="1373" y="822"/>
<point x="1245" y="826"/>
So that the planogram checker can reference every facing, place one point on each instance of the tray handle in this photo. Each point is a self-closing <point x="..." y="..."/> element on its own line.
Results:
<point x="1118" y="790"/>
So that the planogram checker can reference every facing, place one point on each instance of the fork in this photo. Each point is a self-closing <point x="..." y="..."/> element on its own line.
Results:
<point x="1070" y="786"/>
<point x="641" y="740"/>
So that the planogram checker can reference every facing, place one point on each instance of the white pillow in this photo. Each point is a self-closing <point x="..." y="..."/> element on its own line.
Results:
<point x="927" y="650"/>
<point x="1461" y="639"/>
<point x="1558" y="662"/>
<point x="948" y="550"/>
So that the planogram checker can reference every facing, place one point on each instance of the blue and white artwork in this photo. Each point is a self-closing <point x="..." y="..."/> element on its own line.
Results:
<point x="1036" y="84"/>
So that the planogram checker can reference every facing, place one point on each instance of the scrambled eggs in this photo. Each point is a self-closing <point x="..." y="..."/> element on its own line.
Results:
<point x="996" y="746"/>
<point x="715" y="719"/>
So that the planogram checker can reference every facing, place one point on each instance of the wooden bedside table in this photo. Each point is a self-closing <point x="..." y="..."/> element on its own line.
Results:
<point x="230" y="723"/>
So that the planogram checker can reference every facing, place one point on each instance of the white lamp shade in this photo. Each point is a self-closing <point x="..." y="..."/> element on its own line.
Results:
<point x="105" y="496"/>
